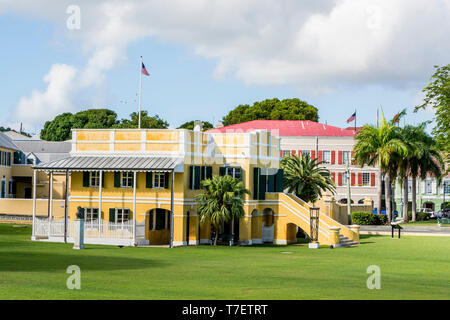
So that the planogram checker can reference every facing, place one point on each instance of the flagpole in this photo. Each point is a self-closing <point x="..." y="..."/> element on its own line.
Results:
<point x="140" y="93"/>
<point x="355" y="121"/>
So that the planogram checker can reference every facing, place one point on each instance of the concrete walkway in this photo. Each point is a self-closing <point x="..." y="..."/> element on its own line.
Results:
<point x="408" y="230"/>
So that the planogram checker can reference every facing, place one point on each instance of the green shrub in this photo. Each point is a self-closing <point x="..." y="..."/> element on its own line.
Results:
<point x="420" y="216"/>
<point x="368" y="218"/>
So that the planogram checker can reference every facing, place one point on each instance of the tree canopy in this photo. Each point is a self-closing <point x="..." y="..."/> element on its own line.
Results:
<point x="190" y="125"/>
<point x="437" y="96"/>
<point x="272" y="109"/>
<point x="59" y="129"/>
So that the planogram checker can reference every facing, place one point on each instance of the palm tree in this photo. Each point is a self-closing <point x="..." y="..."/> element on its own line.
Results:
<point x="427" y="161"/>
<point x="221" y="201"/>
<point x="422" y="159"/>
<point x="379" y="146"/>
<point x="305" y="178"/>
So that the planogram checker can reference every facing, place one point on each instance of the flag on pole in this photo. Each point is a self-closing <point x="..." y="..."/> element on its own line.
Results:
<point x="396" y="117"/>
<point x="143" y="70"/>
<point x="353" y="116"/>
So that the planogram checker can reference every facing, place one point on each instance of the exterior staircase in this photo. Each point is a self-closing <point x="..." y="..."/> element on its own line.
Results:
<point x="346" y="242"/>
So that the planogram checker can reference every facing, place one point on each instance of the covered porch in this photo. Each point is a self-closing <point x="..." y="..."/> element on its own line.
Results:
<point x="105" y="223"/>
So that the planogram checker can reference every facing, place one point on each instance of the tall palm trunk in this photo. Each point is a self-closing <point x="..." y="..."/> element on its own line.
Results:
<point x="413" y="199"/>
<point x="387" y="195"/>
<point x="405" y="199"/>
<point x="379" y="193"/>
<point x="216" y="236"/>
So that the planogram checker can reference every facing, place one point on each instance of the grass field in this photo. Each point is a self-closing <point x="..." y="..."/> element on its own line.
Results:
<point x="411" y="268"/>
<point x="426" y="223"/>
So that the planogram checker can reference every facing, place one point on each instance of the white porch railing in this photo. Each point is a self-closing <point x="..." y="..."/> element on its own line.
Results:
<point x="92" y="229"/>
<point x="107" y="229"/>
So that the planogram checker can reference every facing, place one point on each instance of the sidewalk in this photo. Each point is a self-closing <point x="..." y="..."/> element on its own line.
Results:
<point x="407" y="230"/>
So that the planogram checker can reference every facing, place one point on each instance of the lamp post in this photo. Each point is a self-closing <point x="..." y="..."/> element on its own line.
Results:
<point x="314" y="227"/>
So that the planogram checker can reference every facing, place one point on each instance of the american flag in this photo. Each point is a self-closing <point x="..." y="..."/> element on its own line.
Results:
<point x="353" y="116"/>
<point x="143" y="70"/>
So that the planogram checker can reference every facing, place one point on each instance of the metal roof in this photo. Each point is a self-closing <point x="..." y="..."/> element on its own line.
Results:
<point x="287" y="128"/>
<point x="111" y="163"/>
<point x="6" y="142"/>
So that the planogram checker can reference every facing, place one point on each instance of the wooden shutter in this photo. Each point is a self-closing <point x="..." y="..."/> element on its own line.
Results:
<point x="166" y="180"/>
<point x="117" y="179"/>
<point x="313" y="154"/>
<point x="339" y="157"/>
<point x="112" y="214"/>
<point x="340" y="179"/>
<point x="16" y="157"/>
<point x="293" y="152"/>
<point x="359" y="178"/>
<point x="271" y="183"/>
<point x="149" y="179"/>
<point x="333" y="177"/>
<point x="279" y="181"/>
<point x="256" y="174"/>
<point x="299" y="152"/>
<point x="352" y="155"/>
<point x="262" y="186"/>
<point x="208" y="172"/>
<point x="333" y="157"/>
<point x="320" y="155"/>
<point x="222" y="171"/>
<point x="85" y="179"/>
<point x="372" y="179"/>
<point x="197" y="177"/>
<point x="353" y="178"/>
<point x="281" y="153"/>
<point x="191" y="176"/>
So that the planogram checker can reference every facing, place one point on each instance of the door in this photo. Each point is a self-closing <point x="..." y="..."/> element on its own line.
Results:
<point x="27" y="193"/>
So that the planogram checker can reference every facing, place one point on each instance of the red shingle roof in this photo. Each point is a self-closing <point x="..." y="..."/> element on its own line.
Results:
<point x="287" y="128"/>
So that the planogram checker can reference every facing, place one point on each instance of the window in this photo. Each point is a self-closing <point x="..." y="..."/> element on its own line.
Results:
<point x="365" y="179"/>
<point x="126" y="179"/>
<point x="122" y="215"/>
<point x="3" y="158"/>
<point x="159" y="180"/>
<point x="235" y="172"/>
<point x="446" y="186"/>
<point x="306" y="153"/>
<point x="326" y="156"/>
<point x="344" y="178"/>
<point x="91" y="214"/>
<point x="345" y="156"/>
<point x="286" y="153"/>
<point x="428" y="187"/>
<point x="10" y="188"/>
<point x="94" y="179"/>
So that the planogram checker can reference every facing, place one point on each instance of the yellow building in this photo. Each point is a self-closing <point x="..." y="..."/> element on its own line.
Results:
<point x="129" y="181"/>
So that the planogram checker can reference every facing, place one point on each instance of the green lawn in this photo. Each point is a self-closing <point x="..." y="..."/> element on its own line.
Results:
<point x="426" y="223"/>
<point x="411" y="268"/>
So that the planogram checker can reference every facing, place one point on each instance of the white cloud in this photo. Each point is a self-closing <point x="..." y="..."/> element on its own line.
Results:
<point x="57" y="97"/>
<point x="317" y="45"/>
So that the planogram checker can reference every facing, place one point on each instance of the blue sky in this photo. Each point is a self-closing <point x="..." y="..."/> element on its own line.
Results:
<point x="197" y="73"/>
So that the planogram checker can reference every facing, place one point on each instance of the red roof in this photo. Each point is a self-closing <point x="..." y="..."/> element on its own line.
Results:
<point x="287" y="128"/>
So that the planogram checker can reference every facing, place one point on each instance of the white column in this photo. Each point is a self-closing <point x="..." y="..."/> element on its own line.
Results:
<point x="100" y="186"/>
<point x="66" y="206"/>
<point x="171" y="208"/>
<point x="134" y="207"/>
<point x="50" y="203"/>
<point x="33" y="236"/>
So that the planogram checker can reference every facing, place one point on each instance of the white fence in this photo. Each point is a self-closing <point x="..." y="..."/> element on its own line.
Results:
<point x="92" y="229"/>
